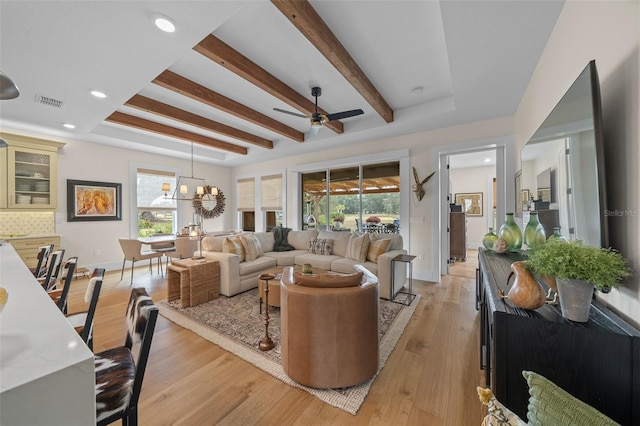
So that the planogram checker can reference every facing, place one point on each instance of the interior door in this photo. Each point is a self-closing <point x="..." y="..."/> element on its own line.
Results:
<point x="445" y="190"/>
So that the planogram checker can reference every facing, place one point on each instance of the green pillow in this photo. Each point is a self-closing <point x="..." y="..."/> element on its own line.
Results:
<point x="551" y="405"/>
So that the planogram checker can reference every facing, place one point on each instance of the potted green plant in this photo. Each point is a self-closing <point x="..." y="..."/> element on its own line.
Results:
<point x="578" y="268"/>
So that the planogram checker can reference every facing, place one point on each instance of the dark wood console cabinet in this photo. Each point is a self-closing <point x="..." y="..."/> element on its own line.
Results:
<point x="597" y="362"/>
<point x="458" y="235"/>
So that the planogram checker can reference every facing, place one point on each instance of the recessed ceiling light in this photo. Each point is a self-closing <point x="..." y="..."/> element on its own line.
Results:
<point x="417" y="90"/>
<point x="487" y="160"/>
<point x="69" y="126"/>
<point x="98" y="94"/>
<point x="164" y="24"/>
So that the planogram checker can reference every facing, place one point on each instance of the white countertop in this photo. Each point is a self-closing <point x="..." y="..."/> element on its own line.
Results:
<point x="39" y="352"/>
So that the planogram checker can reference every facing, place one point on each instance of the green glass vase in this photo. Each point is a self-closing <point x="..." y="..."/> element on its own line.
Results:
<point x="557" y="235"/>
<point x="511" y="233"/>
<point x="488" y="239"/>
<point x="534" y="231"/>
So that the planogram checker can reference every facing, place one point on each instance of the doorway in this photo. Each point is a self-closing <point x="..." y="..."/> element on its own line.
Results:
<point x="501" y="149"/>
<point x="472" y="200"/>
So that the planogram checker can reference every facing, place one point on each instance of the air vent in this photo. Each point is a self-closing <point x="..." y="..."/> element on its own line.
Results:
<point x="55" y="103"/>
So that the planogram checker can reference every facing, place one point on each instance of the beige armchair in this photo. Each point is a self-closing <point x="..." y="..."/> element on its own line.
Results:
<point x="329" y="335"/>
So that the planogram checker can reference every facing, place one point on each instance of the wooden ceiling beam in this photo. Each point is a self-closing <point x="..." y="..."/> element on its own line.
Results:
<point x="224" y="55"/>
<point x="155" y="107"/>
<point x="163" y="129"/>
<point x="304" y="17"/>
<point x="172" y="81"/>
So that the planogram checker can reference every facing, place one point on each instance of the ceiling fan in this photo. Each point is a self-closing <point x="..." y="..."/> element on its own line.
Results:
<point x="317" y="119"/>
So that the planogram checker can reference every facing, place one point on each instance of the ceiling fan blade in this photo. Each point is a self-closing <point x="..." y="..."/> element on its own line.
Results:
<point x="290" y="113"/>
<point x="344" y="114"/>
<point x="8" y="89"/>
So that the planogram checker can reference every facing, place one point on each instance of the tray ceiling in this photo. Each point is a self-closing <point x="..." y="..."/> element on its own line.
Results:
<point x="409" y="65"/>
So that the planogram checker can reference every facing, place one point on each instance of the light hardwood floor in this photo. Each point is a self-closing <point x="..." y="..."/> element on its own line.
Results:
<point x="429" y="379"/>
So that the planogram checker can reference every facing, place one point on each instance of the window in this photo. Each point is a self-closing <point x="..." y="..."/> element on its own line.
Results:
<point x="356" y="194"/>
<point x="246" y="203"/>
<point x="156" y="215"/>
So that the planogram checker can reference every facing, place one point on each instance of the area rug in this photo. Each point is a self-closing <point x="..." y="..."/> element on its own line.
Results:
<point x="235" y="324"/>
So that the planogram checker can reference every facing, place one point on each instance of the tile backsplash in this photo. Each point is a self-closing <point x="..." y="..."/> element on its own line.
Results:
<point x="37" y="223"/>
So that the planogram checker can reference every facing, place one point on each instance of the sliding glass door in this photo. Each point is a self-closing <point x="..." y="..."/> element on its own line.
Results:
<point x="344" y="198"/>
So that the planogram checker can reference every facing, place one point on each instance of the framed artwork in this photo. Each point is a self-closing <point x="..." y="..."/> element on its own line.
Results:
<point x="518" y="187"/>
<point x="471" y="203"/>
<point x="91" y="201"/>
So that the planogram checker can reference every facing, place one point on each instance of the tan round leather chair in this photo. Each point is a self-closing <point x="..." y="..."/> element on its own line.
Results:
<point x="329" y="334"/>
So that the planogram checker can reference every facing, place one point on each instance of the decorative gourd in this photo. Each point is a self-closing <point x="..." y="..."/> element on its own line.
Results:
<point x="526" y="292"/>
<point x="501" y="246"/>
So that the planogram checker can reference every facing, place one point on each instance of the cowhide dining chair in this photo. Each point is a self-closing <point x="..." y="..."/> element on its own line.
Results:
<point x="82" y="321"/>
<point x="50" y="278"/>
<point x="60" y="294"/>
<point x="44" y="253"/>
<point x="118" y="376"/>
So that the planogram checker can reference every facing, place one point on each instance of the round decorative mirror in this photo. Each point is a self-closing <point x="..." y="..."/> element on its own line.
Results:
<point x="211" y="204"/>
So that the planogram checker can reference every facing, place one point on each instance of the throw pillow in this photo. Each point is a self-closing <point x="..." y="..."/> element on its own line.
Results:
<point x="321" y="246"/>
<point x="328" y="280"/>
<point x="376" y="248"/>
<point x="357" y="247"/>
<point x="233" y="245"/>
<point x="497" y="414"/>
<point x="549" y="404"/>
<point x="251" y="246"/>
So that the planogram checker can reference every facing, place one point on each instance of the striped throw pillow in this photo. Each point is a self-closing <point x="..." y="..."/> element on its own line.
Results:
<point x="251" y="246"/>
<point x="357" y="248"/>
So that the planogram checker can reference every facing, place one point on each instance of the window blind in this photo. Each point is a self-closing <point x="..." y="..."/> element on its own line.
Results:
<point x="271" y="190"/>
<point x="246" y="195"/>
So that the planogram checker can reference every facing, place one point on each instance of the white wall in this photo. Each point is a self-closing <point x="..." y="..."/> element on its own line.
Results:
<point x="96" y="162"/>
<point x="609" y="32"/>
<point x="475" y="179"/>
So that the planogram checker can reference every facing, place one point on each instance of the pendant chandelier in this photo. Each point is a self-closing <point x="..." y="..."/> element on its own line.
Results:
<point x="187" y="188"/>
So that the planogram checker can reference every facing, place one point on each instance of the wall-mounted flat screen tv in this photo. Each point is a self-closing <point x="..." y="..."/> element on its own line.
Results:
<point x="569" y="147"/>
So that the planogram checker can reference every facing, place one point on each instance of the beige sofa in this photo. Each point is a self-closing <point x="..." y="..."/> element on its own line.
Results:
<point x="237" y="277"/>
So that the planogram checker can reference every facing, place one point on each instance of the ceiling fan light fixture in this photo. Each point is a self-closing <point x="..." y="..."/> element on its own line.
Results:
<point x="164" y="24"/>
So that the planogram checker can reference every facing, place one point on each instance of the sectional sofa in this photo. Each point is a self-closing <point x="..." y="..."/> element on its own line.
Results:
<point x="244" y="256"/>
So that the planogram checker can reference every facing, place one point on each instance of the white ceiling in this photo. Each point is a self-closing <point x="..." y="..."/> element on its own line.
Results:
<point x="472" y="159"/>
<point x="473" y="60"/>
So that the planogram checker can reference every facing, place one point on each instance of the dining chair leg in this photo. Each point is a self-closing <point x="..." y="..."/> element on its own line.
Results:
<point x="132" y="263"/>
<point x="122" y="272"/>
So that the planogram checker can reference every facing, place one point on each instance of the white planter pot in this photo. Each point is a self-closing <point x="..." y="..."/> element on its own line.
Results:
<point x="575" y="299"/>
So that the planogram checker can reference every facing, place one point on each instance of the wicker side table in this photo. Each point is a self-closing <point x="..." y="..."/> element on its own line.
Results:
<point x="193" y="281"/>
